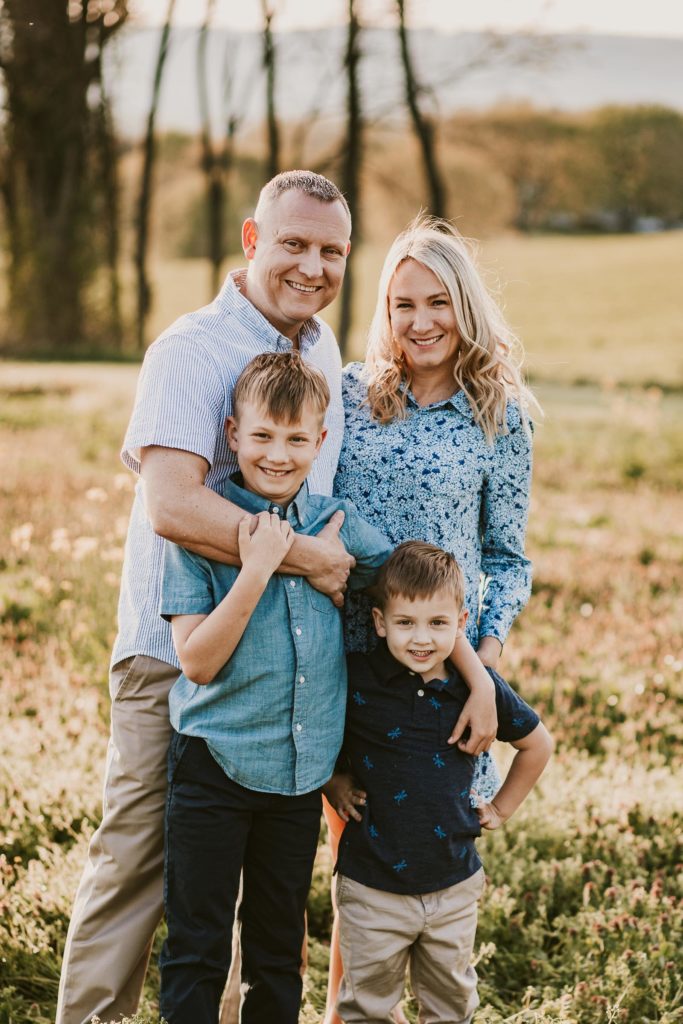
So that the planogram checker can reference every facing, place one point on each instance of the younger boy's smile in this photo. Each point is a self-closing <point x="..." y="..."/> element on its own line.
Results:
<point x="275" y="457"/>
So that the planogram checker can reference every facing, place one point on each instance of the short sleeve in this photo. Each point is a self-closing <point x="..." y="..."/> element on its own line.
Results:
<point x="179" y="401"/>
<point x="515" y="718"/>
<point x="186" y="583"/>
<point x="367" y="544"/>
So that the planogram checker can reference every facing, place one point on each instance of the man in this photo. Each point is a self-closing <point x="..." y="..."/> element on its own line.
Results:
<point x="296" y="244"/>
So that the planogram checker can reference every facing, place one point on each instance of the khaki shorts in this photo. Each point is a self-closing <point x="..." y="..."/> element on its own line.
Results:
<point x="383" y="933"/>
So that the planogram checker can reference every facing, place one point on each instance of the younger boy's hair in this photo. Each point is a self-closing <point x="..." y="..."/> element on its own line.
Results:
<point x="418" y="570"/>
<point x="281" y="383"/>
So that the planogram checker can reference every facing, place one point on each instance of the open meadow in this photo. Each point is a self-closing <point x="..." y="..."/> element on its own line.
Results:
<point x="582" y="920"/>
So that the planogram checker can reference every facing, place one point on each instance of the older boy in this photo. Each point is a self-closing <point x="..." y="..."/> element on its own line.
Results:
<point x="409" y="874"/>
<point x="257" y="713"/>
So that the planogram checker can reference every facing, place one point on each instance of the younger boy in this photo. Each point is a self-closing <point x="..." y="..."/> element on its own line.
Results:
<point x="257" y="713"/>
<point x="409" y="875"/>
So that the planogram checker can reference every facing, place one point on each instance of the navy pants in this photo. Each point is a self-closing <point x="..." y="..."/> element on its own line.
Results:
<point x="215" y="829"/>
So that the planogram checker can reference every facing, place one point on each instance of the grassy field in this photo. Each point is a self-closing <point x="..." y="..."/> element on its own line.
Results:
<point x="583" y="916"/>
<point x="603" y="309"/>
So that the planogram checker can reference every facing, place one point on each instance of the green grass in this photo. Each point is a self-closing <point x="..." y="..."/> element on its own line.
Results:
<point x="581" y="922"/>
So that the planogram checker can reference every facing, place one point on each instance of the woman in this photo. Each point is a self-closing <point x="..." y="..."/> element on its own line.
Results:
<point x="437" y="446"/>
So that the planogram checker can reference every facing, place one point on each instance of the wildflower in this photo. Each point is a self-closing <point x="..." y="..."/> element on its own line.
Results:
<point x="96" y="494"/>
<point x="20" y="537"/>
<point x="84" y="546"/>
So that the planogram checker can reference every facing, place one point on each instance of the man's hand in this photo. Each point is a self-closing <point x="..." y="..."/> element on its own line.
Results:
<point x="335" y="563"/>
<point x="489" y="816"/>
<point x="263" y="547"/>
<point x="480" y="717"/>
<point x="344" y="797"/>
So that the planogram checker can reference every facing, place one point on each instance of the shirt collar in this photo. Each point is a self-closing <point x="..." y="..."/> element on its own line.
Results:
<point x="232" y="298"/>
<point x="388" y="668"/>
<point x="458" y="401"/>
<point x="234" y="491"/>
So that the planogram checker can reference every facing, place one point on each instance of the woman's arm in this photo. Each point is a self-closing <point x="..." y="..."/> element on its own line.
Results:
<point x="479" y="713"/>
<point x="503" y="520"/>
<point x="205" y="643"/>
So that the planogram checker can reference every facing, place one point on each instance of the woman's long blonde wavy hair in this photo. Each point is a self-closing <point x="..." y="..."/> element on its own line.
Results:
<point x="489" y="356"/>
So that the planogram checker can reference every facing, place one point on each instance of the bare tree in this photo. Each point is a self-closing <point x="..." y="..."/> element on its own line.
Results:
<point x="50" y="63"/>
<point x="423" y="126"/>
<point x="144" y="292"/>
<point x="269" y="64"/>
<point x="211" y="160"/>
<point x="351" y="166"/>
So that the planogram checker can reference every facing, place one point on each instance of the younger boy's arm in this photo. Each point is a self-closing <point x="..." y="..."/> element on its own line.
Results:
<point x="533" y="753"/>
<point x="204" y="643"/>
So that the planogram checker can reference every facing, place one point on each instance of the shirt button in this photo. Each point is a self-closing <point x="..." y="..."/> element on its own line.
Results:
<point x="410" y="673"/>
<point x="275" y="509"/>
<point x="302" y="679"/>
<point x="297" y="631"/>
<point x="299" y="726"/>
<point x="420" y="693"/>
<point x="292" y="583"/>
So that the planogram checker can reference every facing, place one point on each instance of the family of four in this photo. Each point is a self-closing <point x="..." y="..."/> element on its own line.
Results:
<point x="269" y="483"/>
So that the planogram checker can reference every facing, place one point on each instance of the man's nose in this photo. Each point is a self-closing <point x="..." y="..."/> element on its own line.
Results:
<point x="310" y="263"/>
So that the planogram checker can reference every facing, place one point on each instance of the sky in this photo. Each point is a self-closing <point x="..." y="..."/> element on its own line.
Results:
<point x="629" y="17"/>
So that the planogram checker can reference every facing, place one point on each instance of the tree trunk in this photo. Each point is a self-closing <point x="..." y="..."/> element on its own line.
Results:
<point x="350" y="177"/>
<point x="422" y="125"/>
<point x="271" y="116"/>
<point x="211" y="161"/>
<point x="144" y="292"/>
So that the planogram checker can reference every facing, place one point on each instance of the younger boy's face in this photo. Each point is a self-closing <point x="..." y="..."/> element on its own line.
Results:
<point x="274" y="457"/>
<point x="421" y="633"/>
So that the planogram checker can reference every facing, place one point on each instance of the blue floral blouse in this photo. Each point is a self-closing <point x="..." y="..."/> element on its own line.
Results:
<point x="432" y="476"/>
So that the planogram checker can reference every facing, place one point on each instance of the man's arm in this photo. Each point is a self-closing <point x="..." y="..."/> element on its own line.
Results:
<point x="182" y="509"/>
<point x="533" y="753"/>
<point x="206" y="642"/>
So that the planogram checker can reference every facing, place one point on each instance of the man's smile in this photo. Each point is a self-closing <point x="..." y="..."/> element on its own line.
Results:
<point x="308" y="289"/>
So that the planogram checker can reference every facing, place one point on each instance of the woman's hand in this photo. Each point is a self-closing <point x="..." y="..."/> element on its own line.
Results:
<point x="481" y="718"/>
<point x="490" y="650"/>
<point x="344" y="797"/>
<point x="263" y="549"/>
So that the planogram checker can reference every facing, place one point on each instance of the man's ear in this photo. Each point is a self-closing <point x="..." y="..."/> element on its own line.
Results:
<point x="249" y="237"/>
<point x="348" y="248"/>
<point x="231" y="432"/>
<point x="378" y="617"/>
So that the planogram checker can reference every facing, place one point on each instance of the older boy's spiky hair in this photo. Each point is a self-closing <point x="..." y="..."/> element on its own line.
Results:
<point x="418" y="570"/>
<point x="281" y="383"/>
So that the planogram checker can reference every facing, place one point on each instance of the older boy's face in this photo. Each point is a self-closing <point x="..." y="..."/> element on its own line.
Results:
<point x="421" y="633"/>
<point x="274" y="457"/>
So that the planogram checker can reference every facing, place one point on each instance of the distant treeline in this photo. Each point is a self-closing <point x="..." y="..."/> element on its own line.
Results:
<point x="616" y="169"/>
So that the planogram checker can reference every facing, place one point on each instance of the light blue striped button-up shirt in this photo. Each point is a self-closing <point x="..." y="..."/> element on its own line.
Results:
<point x="183" y="398"/>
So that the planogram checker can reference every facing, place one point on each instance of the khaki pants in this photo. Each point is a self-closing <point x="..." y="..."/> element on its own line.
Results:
<point x="119" y="900"/>
<point x="382" y="933"/>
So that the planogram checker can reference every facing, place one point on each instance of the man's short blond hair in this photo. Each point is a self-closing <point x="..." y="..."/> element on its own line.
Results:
<point x="418" y="570"/>
<point x="307" y="182"/>
<point x="282" y="384"/>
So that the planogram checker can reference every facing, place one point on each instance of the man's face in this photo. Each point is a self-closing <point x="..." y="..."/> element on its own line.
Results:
<point x="297" y="257"/>
<point x="421" y="633"/>
<point x="274" y="457"/>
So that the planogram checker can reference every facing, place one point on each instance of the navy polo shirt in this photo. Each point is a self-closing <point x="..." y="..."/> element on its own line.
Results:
<point x="419" y="826"/>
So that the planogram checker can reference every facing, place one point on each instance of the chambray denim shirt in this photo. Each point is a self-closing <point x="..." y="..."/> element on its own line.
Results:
<point x="273" y="718"/>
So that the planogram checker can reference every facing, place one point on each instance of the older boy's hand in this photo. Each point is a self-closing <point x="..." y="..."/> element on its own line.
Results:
<point x="333" y="562"/>
<point x="344" y="797"/>
<point x="263" y="548"/>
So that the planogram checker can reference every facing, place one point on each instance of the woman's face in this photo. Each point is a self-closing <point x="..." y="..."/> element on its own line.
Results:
<point x="422" y="319"/>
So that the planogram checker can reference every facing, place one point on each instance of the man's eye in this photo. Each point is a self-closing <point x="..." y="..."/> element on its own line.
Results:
<point x="333" y="252"/>
<point x="292" y="243"/>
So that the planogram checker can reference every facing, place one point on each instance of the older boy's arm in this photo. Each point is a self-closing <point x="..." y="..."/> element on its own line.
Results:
<point x="180" y="508"/>
<point x="479" y="712"/>
<point x="533" y="753"/>
<point x="204" y="643"/>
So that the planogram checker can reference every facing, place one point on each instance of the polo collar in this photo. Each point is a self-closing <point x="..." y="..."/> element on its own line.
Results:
<point x="234" y="491"/>
<point x="387" y="668"/>
<point x="233" y="300"/>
